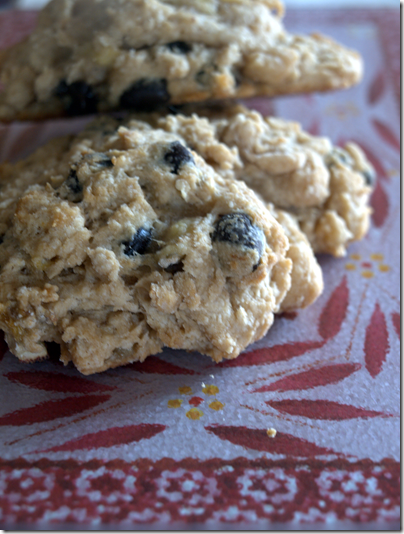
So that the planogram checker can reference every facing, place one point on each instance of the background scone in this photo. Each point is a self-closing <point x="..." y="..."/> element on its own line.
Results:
<point x="118" y="242"/>
<point x="100" y="55"/>
<point x="326" y="188"/>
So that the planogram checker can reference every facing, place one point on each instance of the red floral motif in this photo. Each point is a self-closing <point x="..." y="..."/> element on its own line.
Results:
<point x="50" y="410"/>
<point x="334" y="312"/>
<point x="272" y="354"/>
<point x="288" y="315"/>
<point x="56" y="382"/>
<point x="111" y="437"/>
<point x="155" y="365"/>
<point x="380" y="204"/>
<point x="328" y="374"/>
<point x="258" y="439"/>
<point x="386" y="133"/>
<point x="264" y="105"/>
<point x="322" y="409"/>
<point x="377" y="87"/>
<point x="396" y="323"/>
<point x="314" y="128"/>
<point x="195" y="401"/>
<point x="28" y="136"/>
<point x="376" y="342"/>
<point x="15" y="25"/>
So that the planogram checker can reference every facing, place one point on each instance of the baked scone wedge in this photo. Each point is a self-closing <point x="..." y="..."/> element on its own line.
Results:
<point x="118" y="242"/>
<point x="88" y="56"/>
<point x="326" y="188"/>
<point x="306" y="275"/>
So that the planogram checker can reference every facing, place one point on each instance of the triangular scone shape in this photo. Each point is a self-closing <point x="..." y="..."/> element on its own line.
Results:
<point x="101" y="55"/>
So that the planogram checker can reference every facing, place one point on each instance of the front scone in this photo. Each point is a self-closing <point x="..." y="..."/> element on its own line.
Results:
<point x="115" y="253"/>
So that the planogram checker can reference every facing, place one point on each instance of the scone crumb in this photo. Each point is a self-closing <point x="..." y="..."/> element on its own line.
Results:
<point x="271" y="432"/>
<point x="105" y="263"/>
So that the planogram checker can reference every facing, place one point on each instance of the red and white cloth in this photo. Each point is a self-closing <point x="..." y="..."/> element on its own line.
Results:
<point x="180" y="442"/>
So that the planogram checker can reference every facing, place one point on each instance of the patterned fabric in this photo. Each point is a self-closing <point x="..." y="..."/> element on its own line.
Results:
<point x="180" y="441"/>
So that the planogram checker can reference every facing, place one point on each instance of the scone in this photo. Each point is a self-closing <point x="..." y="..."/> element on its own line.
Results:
<point x="326" y="188"/>
<point x="87" y="56"/>
<point x="306" y="275"/>
<point x="117" y="242"/>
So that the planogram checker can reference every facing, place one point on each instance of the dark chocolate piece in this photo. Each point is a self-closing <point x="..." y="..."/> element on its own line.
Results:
<point x="139" y="242"/>
<point x="177" y="156"/>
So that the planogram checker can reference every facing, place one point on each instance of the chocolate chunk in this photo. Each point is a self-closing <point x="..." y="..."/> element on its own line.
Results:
<point x="177" y="155"/>
<point x="237" y="77"/>
<point x="370" y="177"/>
<point x="139" y="242"/>
<point x="179" y="47"/>
<point x="175" y="268"/>
<point x="71" y="189"/>
<point x="337" y="156"/>
<point x="174" y="110"/>
<point x="145" y="95"/>
<point x="238" y="229"/>
<point x="78" y="98"/>
<point x="100" y="159"/>
<point x="202" y="77"/>
<point x="106" y="163"/>
<point x="73" y="184"/>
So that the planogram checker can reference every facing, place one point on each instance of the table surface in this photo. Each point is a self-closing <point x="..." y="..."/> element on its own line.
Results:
<point x="178" y="442"/>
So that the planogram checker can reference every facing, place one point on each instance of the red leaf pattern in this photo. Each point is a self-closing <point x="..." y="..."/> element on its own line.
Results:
<point x="56" y="382"/>
<point x="154" y="365"/>
<point x="334" y="312"/>
<point x="264" y="105"/>
<point x="376" y="342"/>
<point x="329" y="374"/>
<point x="288" y="315"/>
<point x="314" y="128"/>
<point x="272" y="354"/>
<point x="50" y="410"/>
<point x="259" y="440"/>
<point x="322" y="409"/>
<point x="380" y="204"/>
<point x="377" y="87"/>
<point x="386" y="134"/>
<point x="195" y="401"/>
<point x="111" y="437"/>
<point x="16" y="25"/>
<point x="396" y="323"/>
<point x="29" y="136"/>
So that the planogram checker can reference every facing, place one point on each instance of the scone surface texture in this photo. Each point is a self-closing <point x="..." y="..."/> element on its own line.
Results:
<point x="324" y="187"/>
